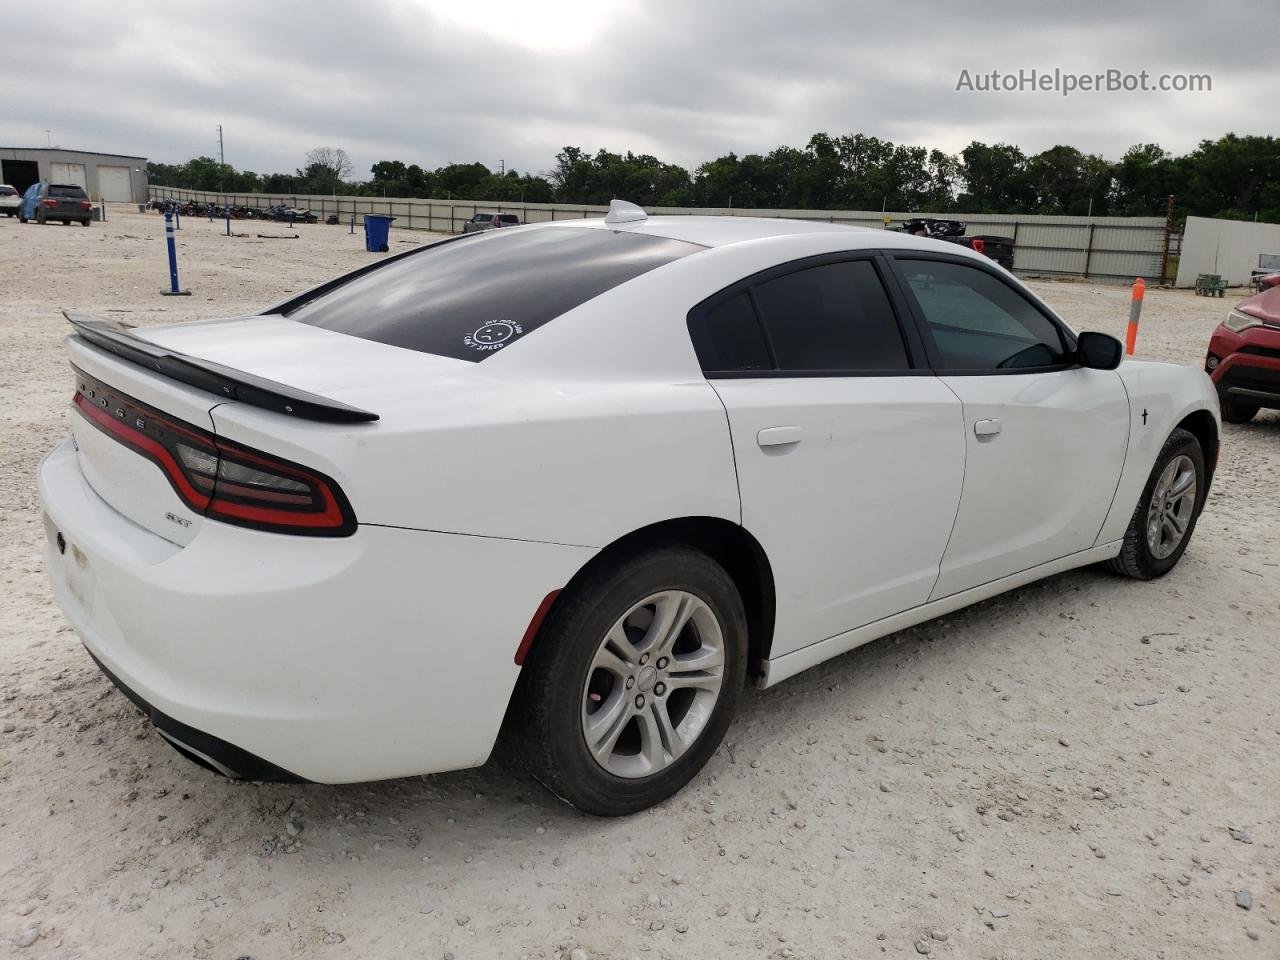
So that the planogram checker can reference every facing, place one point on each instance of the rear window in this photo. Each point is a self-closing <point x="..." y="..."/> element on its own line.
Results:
<point x="74" y="193"/>
<point x="508" y="218"/>
<point x="470" y="297"/>
<point x="7" y="191"/>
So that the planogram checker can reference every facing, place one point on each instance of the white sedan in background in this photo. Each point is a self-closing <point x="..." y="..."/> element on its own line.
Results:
<point x="587" y="477"/>
<point x="10" y="200"/>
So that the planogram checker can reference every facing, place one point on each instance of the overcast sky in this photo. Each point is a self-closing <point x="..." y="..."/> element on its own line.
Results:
<point x="438" y="81"/>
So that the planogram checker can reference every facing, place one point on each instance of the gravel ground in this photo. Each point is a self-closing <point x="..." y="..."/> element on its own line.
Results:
<point x="986" y="785"/>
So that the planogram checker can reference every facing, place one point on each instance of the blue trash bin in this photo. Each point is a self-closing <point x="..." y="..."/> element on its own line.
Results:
<point x="376" y="230"/>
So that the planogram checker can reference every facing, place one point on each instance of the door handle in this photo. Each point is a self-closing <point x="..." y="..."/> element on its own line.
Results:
<point x="779" y="436"/>
<point x="986" y="428"/>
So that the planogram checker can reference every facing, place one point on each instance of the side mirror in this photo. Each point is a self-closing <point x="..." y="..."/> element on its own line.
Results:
<point x="1098" y="351"/>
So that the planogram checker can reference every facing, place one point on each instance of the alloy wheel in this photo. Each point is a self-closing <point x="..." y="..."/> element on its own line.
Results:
<point x="1173" y="503"/>
<point x="653" y="684"/>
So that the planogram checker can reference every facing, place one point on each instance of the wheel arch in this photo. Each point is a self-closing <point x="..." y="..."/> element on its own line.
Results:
<point x="1202" y="425"/>
<point x="731" y="546"/>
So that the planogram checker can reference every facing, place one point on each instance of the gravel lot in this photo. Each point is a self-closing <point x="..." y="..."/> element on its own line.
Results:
<point x="980" y="786"/>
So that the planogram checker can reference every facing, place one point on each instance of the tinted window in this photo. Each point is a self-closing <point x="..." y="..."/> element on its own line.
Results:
<point x="472" y="296"/>
<point x="831" y="317"/>
<point x="728" y="337"/>
<point x="979" y="322"/>
<point x="60" y="191"/>
<point x="508" y="218"/>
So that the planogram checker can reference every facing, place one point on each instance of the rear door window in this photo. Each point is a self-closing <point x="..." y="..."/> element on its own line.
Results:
<point x="836" y="316"/>
<point x="833" y="317"/>
<point x="728" y="337"/>
<point x="73" y="193"/>
<point x="475" y="295"/>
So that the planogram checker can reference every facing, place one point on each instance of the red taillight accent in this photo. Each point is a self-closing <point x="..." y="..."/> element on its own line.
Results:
<point x="49" y="203"/>
<point x="87" y="204"/>
<point x="217" y="478"/>
<point x="535" y="624"/>
<point x="979" y="245"/>
<point x="149" y="447"/>
<point x="264" y="507"/>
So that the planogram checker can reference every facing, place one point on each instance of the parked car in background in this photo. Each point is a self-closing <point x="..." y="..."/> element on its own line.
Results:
<point x="1244" y="357"/>
<point x="10" y="200"/>
<point x="587" y="477"/>
<point x="490" y="221"/>
<point x="44" y="202"/>
<point x="999" y="249"/>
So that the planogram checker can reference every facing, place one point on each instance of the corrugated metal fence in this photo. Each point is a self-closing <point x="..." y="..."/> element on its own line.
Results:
<point x="1104" y="248"/>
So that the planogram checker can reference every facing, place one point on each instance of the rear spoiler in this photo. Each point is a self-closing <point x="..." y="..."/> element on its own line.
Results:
<point x="226" y="382"/>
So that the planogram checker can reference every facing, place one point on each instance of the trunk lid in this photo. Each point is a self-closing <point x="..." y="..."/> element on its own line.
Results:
<point x="125" y="479"/>
<point x="350" y="369"/>
<point x="112" y="390"/>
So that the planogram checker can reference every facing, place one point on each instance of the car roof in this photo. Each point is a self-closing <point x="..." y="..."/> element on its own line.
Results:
<point x="722" y="231"/>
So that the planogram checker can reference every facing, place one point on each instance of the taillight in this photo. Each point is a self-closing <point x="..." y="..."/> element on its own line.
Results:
<point x="87" y="204"/>
<point x="219" y="479"/>
<point x="49" y="202"/>
<point x="979" y="245"/>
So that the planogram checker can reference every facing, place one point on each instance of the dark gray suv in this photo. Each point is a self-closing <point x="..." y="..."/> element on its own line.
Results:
<point x="44" y="202"/>
<point x="490" y="221"/>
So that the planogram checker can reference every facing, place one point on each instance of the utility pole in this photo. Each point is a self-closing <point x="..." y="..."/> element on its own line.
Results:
<point x="502" y="168"/>
<point x="1168" y="229"/>
<point x="48" y="137"/>
<point x="222" y="160"/>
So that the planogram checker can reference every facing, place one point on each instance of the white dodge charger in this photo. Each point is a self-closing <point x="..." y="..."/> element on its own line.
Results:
<point x="587" y="478"/>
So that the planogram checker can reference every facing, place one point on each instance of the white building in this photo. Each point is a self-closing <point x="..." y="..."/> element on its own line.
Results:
<point x="104" y="176"/>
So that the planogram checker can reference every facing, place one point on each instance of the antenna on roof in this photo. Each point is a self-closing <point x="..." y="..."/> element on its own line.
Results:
<point x="620" y="211"/>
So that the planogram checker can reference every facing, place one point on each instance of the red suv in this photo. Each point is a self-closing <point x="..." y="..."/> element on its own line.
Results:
<point x="1244" y="355"/>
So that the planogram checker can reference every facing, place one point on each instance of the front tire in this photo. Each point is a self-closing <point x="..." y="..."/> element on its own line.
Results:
<point x="1233" y="411"/>
<point x="633" y="680"/>
<point x="1165" y="518"/>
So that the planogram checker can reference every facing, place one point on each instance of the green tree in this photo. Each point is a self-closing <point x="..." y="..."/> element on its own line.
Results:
<point x="995" y="179"/>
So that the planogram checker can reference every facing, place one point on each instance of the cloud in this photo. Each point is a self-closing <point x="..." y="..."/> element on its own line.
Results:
<point x="430" y="81"/>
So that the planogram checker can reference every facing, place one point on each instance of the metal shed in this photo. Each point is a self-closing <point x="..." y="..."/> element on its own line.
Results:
<point x="104" y="176"/>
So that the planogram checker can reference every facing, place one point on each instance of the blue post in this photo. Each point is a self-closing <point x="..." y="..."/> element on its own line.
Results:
<point x="174" y="290"/>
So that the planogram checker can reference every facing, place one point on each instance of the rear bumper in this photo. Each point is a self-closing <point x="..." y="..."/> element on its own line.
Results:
<point x="200" y="747"/>
<point x="387" y="653"/>
<point x="74" y="216"/>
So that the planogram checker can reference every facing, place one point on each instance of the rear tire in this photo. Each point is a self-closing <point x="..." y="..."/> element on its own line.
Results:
<point x="84" y="223"/>
<point x="607" y="665"/>
<point x="1165" y="518"/>
<point x="1233" y="411"/>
